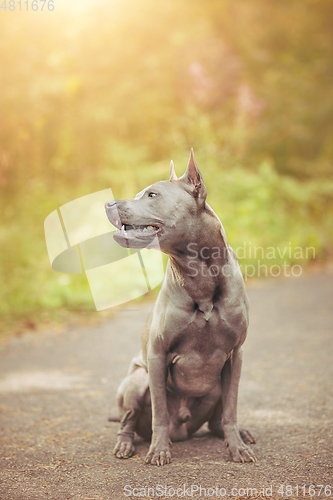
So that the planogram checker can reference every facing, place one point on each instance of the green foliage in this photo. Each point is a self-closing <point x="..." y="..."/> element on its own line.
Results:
<point x="258" y="209"/>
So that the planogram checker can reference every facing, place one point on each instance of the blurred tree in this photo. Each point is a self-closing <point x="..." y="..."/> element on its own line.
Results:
<point x="245" y="79"/>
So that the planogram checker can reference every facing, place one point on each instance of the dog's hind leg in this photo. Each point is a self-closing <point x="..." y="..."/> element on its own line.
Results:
<point x="124" y="447"/>
<point x="214" y="423"/>
<point x="130" y="396"/>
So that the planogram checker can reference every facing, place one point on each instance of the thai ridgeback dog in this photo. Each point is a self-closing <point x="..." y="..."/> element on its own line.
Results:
<point x="189" y="368"/>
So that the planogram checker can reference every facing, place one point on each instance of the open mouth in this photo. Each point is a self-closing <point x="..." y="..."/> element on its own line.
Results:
<point x="138" y="231"/>
<point x="131" y="232"/>
<point x="133" y="235"/>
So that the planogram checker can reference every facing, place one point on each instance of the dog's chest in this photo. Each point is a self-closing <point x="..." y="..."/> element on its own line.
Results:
<point x="204" y="336"/>
<point x="198" y="353"/>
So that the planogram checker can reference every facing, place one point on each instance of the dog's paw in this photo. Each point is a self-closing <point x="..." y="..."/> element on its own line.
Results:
<point x="241" y="453"/>
<point x="158" y="457"/>
<point x="246" y="436"/>
<point x="124" y="448"/>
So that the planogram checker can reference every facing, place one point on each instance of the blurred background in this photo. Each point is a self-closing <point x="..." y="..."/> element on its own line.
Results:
<point x="104" y="94"/>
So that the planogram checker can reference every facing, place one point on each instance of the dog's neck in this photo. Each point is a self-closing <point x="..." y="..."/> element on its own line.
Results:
<point x="203" y="267"/>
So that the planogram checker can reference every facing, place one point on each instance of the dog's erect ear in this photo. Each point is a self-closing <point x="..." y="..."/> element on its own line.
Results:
<point x="193" y="177"/>
<point x="173" y="176"/>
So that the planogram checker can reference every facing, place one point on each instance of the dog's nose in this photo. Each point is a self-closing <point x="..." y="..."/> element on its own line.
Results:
<point x="109" y="204"/>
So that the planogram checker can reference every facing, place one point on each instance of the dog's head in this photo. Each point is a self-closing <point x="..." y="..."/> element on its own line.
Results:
<point x="165" y="212"/>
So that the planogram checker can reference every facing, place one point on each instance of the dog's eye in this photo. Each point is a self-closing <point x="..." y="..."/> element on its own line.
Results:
<point x="152" y="195"/>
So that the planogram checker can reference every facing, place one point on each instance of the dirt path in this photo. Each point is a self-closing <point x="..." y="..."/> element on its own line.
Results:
<point x="57" y="390"/>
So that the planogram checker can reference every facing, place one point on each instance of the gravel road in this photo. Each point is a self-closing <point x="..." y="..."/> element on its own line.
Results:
<point x="57" y="390"/>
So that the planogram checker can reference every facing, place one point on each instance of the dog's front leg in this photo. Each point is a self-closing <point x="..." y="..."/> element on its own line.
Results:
<point x="239" y="451"/>
<point x="159" y="451"/>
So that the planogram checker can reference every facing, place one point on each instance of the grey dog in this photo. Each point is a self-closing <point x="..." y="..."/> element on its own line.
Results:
<point x="189" y="368"/>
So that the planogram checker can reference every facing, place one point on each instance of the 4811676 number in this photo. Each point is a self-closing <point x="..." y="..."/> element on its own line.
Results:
<point x="303" y="491"/>
<point x="27" y="5"/>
